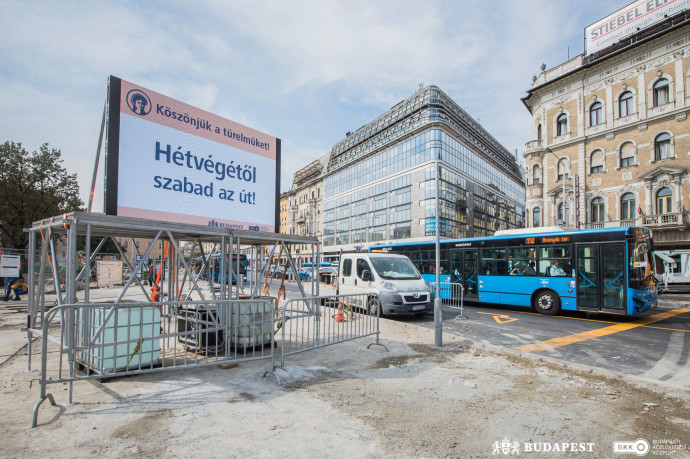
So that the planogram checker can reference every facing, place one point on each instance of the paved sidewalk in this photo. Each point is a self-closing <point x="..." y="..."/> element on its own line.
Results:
<point x="675" y="301"/>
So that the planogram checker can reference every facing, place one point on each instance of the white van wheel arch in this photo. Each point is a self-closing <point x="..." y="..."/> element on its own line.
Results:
<point x="373" y="305"/>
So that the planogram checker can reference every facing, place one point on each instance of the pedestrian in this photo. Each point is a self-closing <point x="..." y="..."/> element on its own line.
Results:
<point x="150" y="274"/>
<point x="8" y="289"/>
<point x="19" y="288"/>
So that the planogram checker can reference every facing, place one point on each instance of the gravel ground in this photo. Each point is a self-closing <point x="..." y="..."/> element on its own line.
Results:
<point x="417" y="400"/>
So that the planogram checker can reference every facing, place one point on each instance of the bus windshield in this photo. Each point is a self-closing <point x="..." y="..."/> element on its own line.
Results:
<point x="395" y="268"/>
<point x="641" y="269"/>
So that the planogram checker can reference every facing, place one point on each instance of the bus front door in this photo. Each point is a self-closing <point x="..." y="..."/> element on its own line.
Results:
<point x="600" y="277"/>
<point x="464" y="270"/>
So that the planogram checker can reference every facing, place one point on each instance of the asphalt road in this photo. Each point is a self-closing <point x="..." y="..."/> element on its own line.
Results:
<point x="654" y="345"/>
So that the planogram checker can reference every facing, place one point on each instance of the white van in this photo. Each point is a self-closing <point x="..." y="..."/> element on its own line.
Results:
<point x="396" y="281"/>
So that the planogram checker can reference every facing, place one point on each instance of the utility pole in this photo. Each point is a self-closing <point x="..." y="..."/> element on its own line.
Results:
<point x="438" y="324"/>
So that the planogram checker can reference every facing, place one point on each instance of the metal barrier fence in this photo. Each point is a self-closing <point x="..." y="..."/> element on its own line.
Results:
<point x="310" y="323"/>
<point x="452" y="295"/>
<point x="107" y="340"/>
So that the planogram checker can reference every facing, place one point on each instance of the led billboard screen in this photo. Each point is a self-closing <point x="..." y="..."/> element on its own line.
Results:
<point x="167" y="160"/>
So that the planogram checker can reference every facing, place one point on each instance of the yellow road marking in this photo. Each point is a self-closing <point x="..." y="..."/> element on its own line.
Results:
<point x="582" y="318"/>
<point x="578" y="337"/>
<point x="669" y="329"/>
<point x="500" y="318"/>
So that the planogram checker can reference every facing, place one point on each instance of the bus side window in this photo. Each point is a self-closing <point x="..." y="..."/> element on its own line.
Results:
<point x="543" y="267"/>
<point x="494" y="262"/>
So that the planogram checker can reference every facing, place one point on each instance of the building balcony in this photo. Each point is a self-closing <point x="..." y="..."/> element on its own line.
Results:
<point x="658" y="222"/>
<point x="534" y="146"/>
<point x="664" y="221"/>
<point x="300" y="219"/>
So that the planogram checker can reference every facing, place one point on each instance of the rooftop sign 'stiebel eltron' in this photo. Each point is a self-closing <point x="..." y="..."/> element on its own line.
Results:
<point x="167" y="160"/>
<point x="628" y="20"/>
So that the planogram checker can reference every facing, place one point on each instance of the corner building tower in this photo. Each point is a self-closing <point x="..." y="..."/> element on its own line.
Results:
<point x="611" y="138"/>
<point x="380" y="183"/>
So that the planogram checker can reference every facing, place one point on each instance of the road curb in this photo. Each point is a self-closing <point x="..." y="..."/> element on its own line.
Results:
<point x="671" y="304"/>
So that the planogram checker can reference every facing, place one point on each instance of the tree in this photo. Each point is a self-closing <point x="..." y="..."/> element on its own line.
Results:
<point x="33" y="186"/>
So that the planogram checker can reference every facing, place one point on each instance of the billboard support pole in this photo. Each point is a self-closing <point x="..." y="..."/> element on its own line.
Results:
<point x="98" y="157"/>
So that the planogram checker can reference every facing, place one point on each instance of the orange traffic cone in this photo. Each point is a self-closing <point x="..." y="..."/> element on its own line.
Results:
<point x="339" y="316"/>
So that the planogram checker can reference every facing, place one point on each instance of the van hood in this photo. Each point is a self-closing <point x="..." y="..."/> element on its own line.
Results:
<point x="412" y="285"/>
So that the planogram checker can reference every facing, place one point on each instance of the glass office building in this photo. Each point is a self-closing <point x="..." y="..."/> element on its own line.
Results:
<point x="381" y="179"/>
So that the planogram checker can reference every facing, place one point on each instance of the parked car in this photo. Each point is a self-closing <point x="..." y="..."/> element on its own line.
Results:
<point x="305" y="274"/>
<point x="328" y="274"/>
<point x="278" y="271"/>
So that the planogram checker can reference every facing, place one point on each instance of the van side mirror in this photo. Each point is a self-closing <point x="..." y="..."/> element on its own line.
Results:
<point x="367" y="276"/>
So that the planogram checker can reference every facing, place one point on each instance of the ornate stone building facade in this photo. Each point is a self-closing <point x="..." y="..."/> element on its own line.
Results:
<point x="612" y="137"/>
<point x="302" y="205"/>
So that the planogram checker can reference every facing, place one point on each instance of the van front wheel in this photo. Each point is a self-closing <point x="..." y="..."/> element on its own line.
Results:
<point x="373" y="306"/>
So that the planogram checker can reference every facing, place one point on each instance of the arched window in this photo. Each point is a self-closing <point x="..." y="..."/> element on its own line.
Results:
<point x="596" y="164"/>
<point x="536" y="175"/>
<point x="627" y="206"/>
<point x="660" y="94"/>
<point x="539" y="132"/>
<point x="663" y="201"/>
<point x="536" y="217"/>
<point x="627" y="154"/>
<point x="625" y="104"/>
<point x="565" y="218"/>
<point x="562" y="170"/>
<point x="595" y="114"/>
<point x="562" y="124"/>
<point x="662" y="146"/>
<point x="597" y="210"/>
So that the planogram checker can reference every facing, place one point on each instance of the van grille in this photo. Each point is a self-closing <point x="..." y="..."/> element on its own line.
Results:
<point x="422" y="298"/>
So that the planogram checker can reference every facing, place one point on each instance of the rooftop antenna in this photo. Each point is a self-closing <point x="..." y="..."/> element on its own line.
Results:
<point x="568" y="52"/>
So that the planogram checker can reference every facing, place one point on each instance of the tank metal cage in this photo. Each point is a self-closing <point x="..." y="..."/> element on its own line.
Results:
<point x="69" y="271"/>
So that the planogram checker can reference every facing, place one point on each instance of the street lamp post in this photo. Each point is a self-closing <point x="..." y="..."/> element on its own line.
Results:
<point x="548" y="150"/>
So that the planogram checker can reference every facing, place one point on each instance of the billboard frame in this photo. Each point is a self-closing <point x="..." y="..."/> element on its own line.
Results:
<point x="112" y="154"/>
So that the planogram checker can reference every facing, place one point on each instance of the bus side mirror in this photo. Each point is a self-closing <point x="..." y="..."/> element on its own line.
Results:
<point x="650" y="245"/>
<point x="367" y="276"/>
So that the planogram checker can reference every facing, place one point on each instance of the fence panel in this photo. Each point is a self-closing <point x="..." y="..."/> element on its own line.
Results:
<point x="103" y="340"/>
<point x="106" y="340"/>
<point x="311" y="323"/>
<point x="452" y="295"/>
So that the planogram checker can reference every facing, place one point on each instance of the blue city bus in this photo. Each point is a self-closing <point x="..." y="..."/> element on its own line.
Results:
<point x="216" y="268"/>
<point x="607" y="270"/>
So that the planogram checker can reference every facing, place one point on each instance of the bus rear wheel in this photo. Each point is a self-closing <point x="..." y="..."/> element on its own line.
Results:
<point x="547" y="302"/>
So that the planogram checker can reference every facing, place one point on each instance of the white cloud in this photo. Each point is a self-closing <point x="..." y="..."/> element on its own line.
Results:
<point x="305" y="71"/>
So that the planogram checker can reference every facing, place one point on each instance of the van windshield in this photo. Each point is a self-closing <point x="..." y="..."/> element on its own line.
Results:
<point x="395" y="268"/>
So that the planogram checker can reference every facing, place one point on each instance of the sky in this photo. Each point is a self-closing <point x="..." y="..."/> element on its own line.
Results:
<point x="304" y="71"/>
